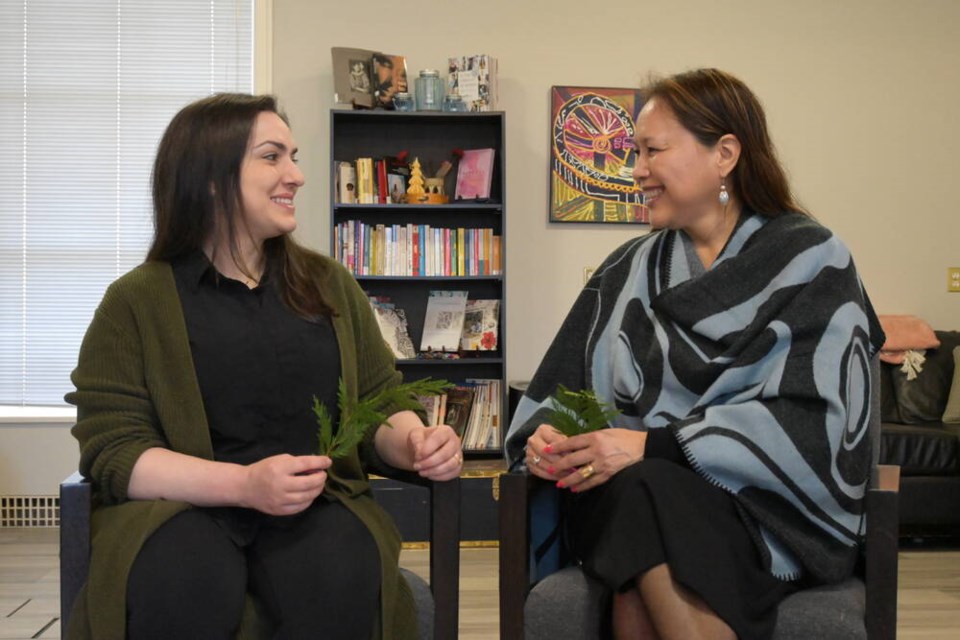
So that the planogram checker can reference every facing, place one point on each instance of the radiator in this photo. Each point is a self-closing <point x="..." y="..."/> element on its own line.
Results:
<point x="29" y="511"/>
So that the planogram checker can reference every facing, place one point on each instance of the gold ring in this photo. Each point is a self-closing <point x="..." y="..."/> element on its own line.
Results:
<point x="587" y="471"/>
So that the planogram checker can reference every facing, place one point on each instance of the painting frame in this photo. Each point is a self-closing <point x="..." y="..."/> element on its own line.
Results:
<point x="591" y="156"/>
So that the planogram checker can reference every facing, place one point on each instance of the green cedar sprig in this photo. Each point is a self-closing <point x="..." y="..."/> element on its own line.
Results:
<point x="579" y="412"/>
<point x="357" y="416"/>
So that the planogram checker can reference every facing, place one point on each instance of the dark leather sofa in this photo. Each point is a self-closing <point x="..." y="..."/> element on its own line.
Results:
<point x="927" y="450"/>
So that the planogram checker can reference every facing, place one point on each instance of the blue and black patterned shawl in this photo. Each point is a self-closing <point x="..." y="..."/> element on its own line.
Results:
<point x="760" y="367"/>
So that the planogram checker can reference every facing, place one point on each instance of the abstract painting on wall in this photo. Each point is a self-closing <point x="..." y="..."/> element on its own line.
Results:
<point x="592" y="155"/>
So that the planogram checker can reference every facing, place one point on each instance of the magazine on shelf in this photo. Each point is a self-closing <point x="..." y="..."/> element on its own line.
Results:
<point x="389" y="74"/>
<point x="431" y="406"/>
<point x="475" y="174"/>
<point x="481" y="321"/>
<point x="443" y="321"/>
<point x="393" y="326"/>
<point x="460" y="399"/>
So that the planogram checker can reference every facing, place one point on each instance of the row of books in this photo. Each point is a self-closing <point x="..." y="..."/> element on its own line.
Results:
<point x="472" y="409"/>
<point x="416" y="250"/>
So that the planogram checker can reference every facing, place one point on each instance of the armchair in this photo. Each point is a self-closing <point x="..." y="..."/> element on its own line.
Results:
<point x="570" y="604"/>
<point x="437" y="604"/>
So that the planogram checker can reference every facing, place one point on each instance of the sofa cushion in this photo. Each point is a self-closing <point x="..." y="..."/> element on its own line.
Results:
<point x="951" y="414"/>
<point x="919" y="450"/>
<point x="924" y="398"/>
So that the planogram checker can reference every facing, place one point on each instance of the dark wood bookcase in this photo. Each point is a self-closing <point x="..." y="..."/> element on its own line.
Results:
<point x="431" y="137"/>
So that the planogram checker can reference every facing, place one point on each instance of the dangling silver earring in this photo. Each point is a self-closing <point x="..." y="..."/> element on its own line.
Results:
<point x="724" y="196"/>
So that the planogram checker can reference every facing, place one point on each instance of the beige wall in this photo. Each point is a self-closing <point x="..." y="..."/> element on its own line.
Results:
<point x="862" y="98"/>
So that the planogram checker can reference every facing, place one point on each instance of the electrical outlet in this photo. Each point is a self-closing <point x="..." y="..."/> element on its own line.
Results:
<point x="953" y="279"/>
<point x="588" y="273"/>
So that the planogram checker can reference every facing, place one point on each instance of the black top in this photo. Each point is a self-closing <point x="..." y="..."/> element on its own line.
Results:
<point x="258" y="364"/>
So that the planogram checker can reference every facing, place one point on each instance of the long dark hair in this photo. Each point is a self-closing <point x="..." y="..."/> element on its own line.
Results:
<point x="196" y="177"/>
<point x="710" y="103"/>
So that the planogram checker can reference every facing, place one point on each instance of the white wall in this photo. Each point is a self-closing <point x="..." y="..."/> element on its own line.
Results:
<point x="861" y="97"/>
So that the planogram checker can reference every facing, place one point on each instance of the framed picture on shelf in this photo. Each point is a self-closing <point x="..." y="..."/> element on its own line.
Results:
<point x="592" y="155"/>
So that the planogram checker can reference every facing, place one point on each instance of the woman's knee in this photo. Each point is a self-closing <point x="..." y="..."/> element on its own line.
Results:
<point x="188" y="576"/>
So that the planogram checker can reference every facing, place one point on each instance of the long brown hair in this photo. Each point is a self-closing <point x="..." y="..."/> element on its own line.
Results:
<point x="710" y="103"/>
<point x="196" y="178"/>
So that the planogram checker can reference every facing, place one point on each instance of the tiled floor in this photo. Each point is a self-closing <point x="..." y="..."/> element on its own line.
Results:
<point x="929" y="594"/>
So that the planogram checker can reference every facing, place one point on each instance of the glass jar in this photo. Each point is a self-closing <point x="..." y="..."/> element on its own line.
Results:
<point x="454" y="103"/>
<point x="403" y="101"/>
<point x="429" y="90"/>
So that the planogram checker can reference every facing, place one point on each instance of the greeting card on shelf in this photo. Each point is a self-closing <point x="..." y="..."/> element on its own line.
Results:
<point x="475" y="79"/>
<point x="475" y="174"/>
<point x="480" y="325"/>
<point x="346" y="183"/>
<point x="352" y="70"/>
<point x="443" y="321"/>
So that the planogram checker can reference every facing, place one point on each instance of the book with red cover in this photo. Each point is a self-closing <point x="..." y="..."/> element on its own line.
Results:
<point x="475" y="174"/>
<point x="381" y="180"/>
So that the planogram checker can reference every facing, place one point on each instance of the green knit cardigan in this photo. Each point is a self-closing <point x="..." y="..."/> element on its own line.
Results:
<point x="137" y="389"/>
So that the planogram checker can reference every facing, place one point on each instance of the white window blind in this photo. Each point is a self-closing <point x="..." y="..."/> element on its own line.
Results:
<point x="86" y="89"/>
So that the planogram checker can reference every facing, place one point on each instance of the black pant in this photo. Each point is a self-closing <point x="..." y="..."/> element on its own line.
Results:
<point x="316" y="573"/>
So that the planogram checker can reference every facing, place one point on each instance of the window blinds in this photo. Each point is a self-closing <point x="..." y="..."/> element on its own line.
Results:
<point x="86" y="89"/>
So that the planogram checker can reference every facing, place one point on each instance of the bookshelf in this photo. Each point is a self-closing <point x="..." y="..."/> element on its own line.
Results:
<point x="431" y="137"/>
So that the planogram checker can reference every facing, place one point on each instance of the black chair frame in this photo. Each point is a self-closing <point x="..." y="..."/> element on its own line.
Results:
<point x="75" y="506"/>
<point x="879" y="558"/>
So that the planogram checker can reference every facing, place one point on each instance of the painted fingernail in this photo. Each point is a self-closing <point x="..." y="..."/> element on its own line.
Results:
<point x="548" y="448"/>
<point x="551" y="470"/>
<point x="560" y="485"/>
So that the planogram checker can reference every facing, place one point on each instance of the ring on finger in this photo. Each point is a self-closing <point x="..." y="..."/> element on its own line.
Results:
<point x="587" y="471"/>
<point x="458" y="458"/>
<point x="537" y="459"/>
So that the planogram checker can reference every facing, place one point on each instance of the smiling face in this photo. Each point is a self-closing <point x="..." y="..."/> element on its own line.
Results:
<point x="679" y="176"/>
<point x="269" y="179"/>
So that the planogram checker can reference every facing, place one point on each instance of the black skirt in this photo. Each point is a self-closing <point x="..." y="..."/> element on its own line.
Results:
<point x="657" y="512"/>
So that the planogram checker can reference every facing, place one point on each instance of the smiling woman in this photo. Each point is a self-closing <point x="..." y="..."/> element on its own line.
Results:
<point x="734" y="343"/>
<point x="195" y="388"/>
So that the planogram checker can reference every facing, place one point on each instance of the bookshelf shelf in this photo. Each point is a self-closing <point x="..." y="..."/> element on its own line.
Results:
<point x="431" y="138"/>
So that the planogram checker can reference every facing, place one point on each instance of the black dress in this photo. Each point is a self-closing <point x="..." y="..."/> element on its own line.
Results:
<point x="661" y="511"/>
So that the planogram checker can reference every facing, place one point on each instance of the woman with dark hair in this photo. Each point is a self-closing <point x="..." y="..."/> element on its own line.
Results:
<point x="735" y="342"/>
<point x="195" y="420"/>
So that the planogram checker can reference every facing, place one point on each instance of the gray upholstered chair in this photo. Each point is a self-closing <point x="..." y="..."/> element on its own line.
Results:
<point x="569" y="604"/>
<point x="437" y="604"/>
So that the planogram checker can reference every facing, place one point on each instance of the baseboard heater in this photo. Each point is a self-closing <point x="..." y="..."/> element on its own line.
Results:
<point x="29" y="511"/>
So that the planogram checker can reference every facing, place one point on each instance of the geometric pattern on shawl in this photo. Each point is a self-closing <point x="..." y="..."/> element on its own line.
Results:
<point x="759" y="366"/>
